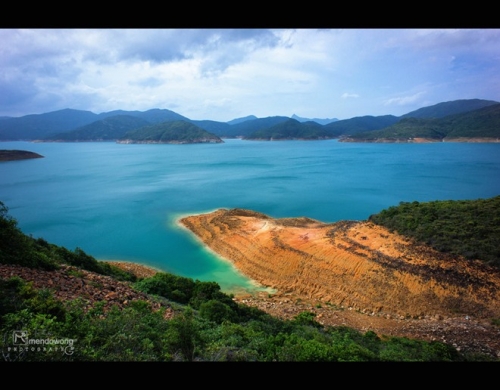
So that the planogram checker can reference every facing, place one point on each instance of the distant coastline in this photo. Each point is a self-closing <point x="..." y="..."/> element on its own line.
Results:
<point x="421" y="140"/>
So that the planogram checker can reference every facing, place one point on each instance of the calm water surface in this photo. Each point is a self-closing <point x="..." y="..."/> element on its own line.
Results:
<point x="122" y="202"/>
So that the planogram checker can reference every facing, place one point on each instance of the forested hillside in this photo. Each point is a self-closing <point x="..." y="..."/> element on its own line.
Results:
<point x="470" y="228"/>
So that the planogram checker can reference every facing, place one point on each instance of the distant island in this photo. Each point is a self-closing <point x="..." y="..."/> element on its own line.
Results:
<point x="175" y="132"/>
<point x="12" y="155"/>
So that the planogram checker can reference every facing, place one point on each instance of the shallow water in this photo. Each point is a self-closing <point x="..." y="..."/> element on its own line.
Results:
<point x="122" y="202"/>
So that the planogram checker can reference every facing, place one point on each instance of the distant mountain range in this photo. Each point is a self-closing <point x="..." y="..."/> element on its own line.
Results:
<point x="472" y="118"/>
<point x="317" y="120"/>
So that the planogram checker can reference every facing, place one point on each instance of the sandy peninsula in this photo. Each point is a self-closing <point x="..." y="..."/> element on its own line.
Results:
<point x="353" y="265"/>
<point x="355" y="274"/>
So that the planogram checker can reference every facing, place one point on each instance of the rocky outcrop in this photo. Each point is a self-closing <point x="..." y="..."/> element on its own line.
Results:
<point x="70" y="283"/>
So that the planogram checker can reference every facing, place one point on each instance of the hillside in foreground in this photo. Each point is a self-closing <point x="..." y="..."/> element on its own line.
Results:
<point x="100" y="311"/>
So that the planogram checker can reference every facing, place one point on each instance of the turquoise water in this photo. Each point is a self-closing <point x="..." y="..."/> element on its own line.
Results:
<point x="121" y="202"/>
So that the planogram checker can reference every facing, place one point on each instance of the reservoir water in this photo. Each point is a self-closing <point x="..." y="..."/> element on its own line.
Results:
<point x="122" y="202"/>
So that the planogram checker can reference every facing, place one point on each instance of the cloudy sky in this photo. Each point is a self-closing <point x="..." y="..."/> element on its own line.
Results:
<point x="230" y="73"/>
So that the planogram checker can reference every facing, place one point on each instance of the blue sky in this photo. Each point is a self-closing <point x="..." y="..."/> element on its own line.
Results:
<point x="222" y="74"/>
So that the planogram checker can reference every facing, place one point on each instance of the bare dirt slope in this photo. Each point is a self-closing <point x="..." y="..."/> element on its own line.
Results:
<point x="358" y="274"/>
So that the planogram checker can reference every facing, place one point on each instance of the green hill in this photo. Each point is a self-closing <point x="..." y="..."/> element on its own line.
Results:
<point x="321" y="121"/>
<point x="441" y="110"/>
<point x="483" y="123"/>
<point x="175" y="132"/>
<point x="41" y="126"/>
<point x="241" y="120"/>
<point x="291" y="129"/>
<point x="245" y="128"/>
<point x="154" y="115"/>
<point x="403" y="131"/>
<point x="38" y="126"/>
<point x="217" y="128"/>
<point x="360" y="124"/>
<point x="107" y="129"/>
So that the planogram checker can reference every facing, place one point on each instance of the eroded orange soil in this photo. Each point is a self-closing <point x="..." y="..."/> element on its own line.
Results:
<point x="350" y="267"/>
<point x="349" y="264"/>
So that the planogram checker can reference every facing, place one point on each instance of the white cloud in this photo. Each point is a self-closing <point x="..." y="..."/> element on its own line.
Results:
<point x="215" y="74"/>
<point x="404" y="100"/>
<point x="346" y="95"/>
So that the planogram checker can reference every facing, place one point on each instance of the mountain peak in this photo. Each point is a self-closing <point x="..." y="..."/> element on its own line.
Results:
<point x="324" y="121"/>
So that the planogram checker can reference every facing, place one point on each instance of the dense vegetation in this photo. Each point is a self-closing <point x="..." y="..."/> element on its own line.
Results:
<point x="470" y="228"/>
<point x="208" y="324"/>
<point x="484" y="122"/>
<point x="170" y="132"/>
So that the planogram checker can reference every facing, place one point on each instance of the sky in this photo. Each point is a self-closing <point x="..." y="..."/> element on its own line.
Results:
<point x="224" y="74"/>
